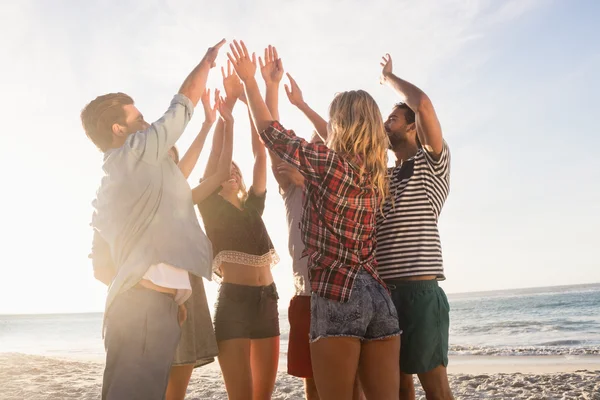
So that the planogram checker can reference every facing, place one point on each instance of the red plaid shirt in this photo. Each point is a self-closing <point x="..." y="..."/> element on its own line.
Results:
<point x="338" y="220"/>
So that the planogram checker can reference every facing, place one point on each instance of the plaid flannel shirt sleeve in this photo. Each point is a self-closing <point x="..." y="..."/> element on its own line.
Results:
<point x="314" y="161"/>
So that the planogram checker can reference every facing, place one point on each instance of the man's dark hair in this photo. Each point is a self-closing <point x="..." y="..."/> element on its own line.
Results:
<point x="99" y="116"/>
<point x="409" y="114"/>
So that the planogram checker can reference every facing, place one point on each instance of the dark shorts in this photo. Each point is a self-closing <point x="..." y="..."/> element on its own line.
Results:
<point x="246" y="312"/>
<point x="369" y="314"/>
<point x="298" y="359"/>
<point x="423" y="312"/>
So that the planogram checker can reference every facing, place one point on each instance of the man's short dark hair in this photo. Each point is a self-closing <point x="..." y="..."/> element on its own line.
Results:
<point x="99" y="116"/>
<point x="409" y="114"/>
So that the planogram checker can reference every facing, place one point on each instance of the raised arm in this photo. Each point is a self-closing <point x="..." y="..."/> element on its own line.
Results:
<point x="195" y="84"/>
<point x="223" y="166"/>
<point x="153" y="144"/>
<point x="190" y="158"/>
<point x="295" y="97"/>
<point x="233" y="89"/>
<point x="428" y="126"/>
<point x="272" y="72"/>
<point x="245" y="67"/>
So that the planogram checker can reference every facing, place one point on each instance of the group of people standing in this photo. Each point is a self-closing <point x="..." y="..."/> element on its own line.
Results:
<point x="363" y="239"/>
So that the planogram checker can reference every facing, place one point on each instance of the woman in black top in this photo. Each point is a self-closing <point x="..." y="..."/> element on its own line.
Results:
<point x="246" y="317"/>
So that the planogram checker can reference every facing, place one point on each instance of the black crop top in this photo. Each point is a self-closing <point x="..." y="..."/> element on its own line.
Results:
<point x="237" y="236"/>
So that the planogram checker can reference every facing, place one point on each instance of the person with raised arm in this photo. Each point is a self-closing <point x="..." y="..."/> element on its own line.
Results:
<point x="409" y="252"/>
<point x="246" y="317"/>
<point x="291" y="188"/>
<point x="197" y="345"/>
<point x="353" y="326"/>
<point x="153" y="248"/>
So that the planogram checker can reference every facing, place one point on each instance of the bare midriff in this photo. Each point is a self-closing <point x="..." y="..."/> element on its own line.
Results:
<point x="248" y="275"/>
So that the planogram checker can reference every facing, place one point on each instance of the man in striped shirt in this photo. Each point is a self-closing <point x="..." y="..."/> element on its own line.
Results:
<point x="409" y="252"/>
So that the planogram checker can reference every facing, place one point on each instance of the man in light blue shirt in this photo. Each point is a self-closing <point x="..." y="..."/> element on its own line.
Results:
<point x="144" y="217"/>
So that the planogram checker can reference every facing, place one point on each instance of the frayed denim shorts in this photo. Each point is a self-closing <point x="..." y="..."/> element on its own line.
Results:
<point x="369" y="314"/>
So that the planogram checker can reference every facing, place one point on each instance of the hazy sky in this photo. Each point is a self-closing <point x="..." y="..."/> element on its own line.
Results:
<point x="515" y="84"/>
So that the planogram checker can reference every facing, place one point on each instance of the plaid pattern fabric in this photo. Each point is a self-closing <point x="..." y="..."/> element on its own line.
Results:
<point x="338" y="220"/>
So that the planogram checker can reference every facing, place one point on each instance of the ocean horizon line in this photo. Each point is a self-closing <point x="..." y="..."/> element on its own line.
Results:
<point x="525" y="290"/>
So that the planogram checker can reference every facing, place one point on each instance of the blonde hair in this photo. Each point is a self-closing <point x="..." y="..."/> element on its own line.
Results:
<point x="356" y="131"/>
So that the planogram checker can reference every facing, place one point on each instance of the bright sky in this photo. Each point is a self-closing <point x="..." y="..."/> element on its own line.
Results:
<point x="514" y="82"/>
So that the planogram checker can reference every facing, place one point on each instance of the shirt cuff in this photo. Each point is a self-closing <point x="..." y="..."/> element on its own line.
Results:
<point x="184" y="101"/>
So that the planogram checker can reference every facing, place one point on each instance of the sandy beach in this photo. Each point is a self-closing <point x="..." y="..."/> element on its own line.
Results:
<point x="44" y="378"/>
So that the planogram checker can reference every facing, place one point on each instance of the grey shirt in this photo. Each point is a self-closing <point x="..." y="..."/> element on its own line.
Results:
<point x="144" y="209"/>
<point x="292" y="197"/>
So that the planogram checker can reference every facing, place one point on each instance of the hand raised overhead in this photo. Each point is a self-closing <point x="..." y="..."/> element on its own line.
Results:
<point x="272" y="67"/>
<point x="293" y="92"/>
<point x="231" y="82"/>
<point x="210" y="113"/>
<point x="224" y="111"/>
<point x="211" y="54"/>
<point x="244" y="65"/>
<point x="386" y="64"/>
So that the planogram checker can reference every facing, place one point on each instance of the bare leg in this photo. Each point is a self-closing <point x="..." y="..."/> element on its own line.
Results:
<point x="234" y="359"/>
<point x="179" y="378"/>
<point x="335" y="361"/>
<point x="310" y="389"/>
<point x="379" y="368"/>
<point x="358" y="392"/>
<point x="264" y="359"/>
<point x="407" y="387"/>
<point x="435" y="384"/>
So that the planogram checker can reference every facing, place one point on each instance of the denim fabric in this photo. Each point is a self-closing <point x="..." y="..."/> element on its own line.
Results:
<point x="369" y="314"/>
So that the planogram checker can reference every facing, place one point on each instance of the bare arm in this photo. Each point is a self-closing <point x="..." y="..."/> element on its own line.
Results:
<point x="429" y="129"/>
<point x="194" y="85"/>
<point x="153" y="143"/>
<point x="296" y="98"/>
<point x="190" y="158"/>
<point x="246" y="69"/>
<point x="233" y="90"/>
<point x="223" y="165"/>
<point x="259" y="173"/>
<point x="272" y="72"/>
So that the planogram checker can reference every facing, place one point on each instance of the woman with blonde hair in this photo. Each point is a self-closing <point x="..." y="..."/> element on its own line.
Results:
<point x="354" y="326"/>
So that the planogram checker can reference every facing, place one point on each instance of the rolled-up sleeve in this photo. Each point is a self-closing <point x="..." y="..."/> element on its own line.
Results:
<point x="314" y="161"/>
<point x="152" y="144"/>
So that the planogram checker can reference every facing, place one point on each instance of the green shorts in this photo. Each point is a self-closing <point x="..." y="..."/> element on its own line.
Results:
<point x="423" y="313"/>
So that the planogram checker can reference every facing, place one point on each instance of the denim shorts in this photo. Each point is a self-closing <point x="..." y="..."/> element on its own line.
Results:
<point x="369" y="314"/>
<point x="246" y="312"/>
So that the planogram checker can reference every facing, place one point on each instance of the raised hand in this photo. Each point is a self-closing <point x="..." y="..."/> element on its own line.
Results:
<point x="293" y="92"/>
<point x="210" y="113"/>
<point x="244" y="65"/>
<point x="272" y="67"/>
<point x="211" y="54"/>
<point x="224" y="110"/>
<point x="231" y="82"/>
<point x="386" y="64"/>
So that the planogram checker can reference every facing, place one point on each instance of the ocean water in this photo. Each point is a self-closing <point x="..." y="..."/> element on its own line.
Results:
<point x="542" y="321"/>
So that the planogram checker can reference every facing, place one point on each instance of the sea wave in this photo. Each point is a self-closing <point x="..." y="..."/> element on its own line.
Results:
<point x="558" y="348"/>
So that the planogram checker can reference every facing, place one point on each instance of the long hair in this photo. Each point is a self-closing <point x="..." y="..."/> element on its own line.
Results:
<point x="357" y="132"/>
